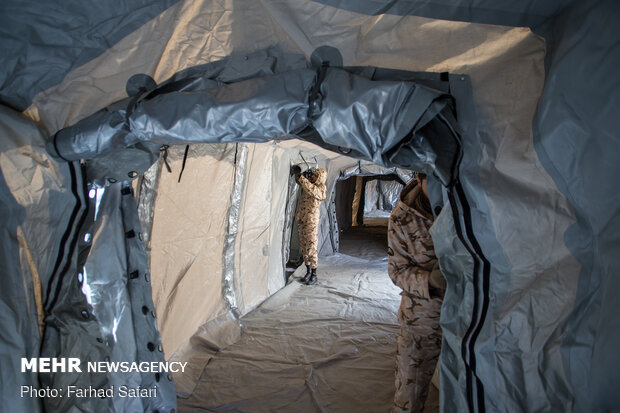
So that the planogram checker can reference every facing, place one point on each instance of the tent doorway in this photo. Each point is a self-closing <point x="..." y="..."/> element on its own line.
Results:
<point x="363" y="205"/>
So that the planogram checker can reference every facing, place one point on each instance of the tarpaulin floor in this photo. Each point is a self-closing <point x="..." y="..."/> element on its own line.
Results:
<point x="323" y="348"/>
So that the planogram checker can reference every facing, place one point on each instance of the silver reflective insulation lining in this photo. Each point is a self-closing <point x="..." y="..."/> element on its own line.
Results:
<point x="367" y="169"/>
<point x="289" y="217"/>
<point x="146" y="195"/>
<point x="71" y="329"/>
<point x="232" y="228"/>
<point x="381" y="197"/>
<point x="148" y="343"/>
<point x="115" y="283"/>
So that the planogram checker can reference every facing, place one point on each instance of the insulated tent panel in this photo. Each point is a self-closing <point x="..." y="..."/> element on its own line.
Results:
<point x="258" y="251"/>
<point x="188" y="237"/>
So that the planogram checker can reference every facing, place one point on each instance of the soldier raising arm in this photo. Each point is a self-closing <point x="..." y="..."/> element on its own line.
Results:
<point x="308" y="215"/>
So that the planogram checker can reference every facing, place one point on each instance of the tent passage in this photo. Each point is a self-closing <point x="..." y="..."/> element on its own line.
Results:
<point x="507" y="106"/>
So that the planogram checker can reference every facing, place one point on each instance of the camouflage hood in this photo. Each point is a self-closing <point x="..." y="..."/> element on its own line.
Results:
<point x="321" y="176"/>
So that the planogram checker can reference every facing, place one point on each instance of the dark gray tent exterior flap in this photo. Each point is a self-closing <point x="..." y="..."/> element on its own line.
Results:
<point x="392" y="123"/>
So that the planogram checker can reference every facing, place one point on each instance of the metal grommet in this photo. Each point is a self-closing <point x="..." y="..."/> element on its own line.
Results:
<point x="80" y="278"/>
<point x="92" y="193"/>
<point x="87" y="237"/>
<point x="146" y="277"/>
<point x="160" y="348"/>
<point x="150" y="346"/>
<point x="132" y="174"/>
<point x="85" y="314"/>
<point x="170" y="377"/>
<point x="145" y="310"/>
<point x="112" y="180"/>
<point x="140" y="236"/>
<point x="153" y="314"/>
<point x="344" y="150"/>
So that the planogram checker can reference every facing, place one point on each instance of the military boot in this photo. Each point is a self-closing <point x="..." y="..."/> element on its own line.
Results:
<point x="307" y="276"/>
<point x="312" y="280"/>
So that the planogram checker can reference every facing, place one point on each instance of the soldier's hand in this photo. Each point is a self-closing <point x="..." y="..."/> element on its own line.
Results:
<point x="295" y="170"/>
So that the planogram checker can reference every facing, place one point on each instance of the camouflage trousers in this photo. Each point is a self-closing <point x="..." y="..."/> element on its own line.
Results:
<point x="309" y="241"/>
<point x="417" y="351"/>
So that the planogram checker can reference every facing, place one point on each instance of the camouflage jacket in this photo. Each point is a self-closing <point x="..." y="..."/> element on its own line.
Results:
<point x="411" y="255"/>
<point x="312" y="195"/>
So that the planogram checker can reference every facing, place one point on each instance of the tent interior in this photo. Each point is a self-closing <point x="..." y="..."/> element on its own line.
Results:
<point x="148" y="209"/>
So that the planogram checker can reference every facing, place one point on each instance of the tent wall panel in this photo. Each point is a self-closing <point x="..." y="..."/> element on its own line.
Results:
<point x="576" y="136"/>
<point x="35" y="204"/>
<point x="187" y="241"/>
<point x="254" y="250"/>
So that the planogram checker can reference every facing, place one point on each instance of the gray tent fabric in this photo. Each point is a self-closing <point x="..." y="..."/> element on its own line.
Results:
<point x="36" y="204"/>
<point x="505" y="12"/>
<point x="120" y="295"/>
<point x="576" y="136"/>
<point x="102" y="311"/>
<point x="456" y="265"/>
<point x="530" y="249"/>
<point x="334" y="103"/>
<point x="45" y="234"/>
<point x="79" y="36"/>
<point x="570" y="131"/>
<point x="381" y="196"/>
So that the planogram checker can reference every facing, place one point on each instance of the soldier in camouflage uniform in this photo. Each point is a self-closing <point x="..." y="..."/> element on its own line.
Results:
<point x="413" y="266"/>
<point x="308" y="214"/>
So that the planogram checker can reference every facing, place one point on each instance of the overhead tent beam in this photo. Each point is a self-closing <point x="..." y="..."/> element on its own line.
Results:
<point x="355" y="111"/>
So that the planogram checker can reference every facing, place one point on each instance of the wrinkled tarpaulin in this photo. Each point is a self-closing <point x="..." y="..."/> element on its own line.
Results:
<point x="72" y="300"/>
<point x="358" y="112"/>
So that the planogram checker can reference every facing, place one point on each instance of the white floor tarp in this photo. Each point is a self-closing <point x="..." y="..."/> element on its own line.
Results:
<point x="323" y="348"/>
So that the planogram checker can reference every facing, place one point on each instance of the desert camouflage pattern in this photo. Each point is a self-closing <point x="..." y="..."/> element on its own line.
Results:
<point x="411" y="261"/>
<point x="308" y="215"/>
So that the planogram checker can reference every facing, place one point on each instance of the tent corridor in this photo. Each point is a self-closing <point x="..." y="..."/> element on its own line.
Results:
<point x="324" y="348"/>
